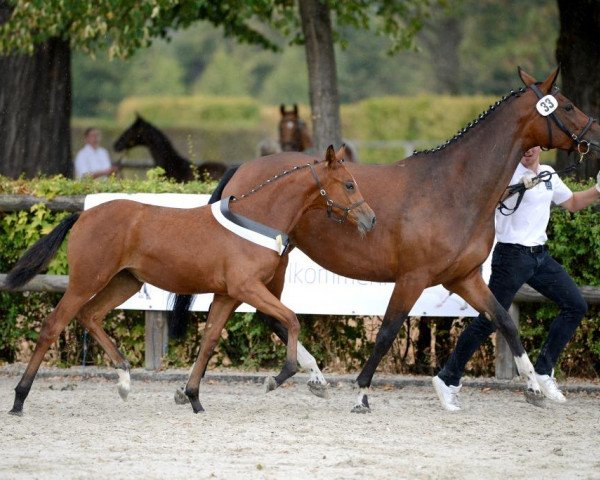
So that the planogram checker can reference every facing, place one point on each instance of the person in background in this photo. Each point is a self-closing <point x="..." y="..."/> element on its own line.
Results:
<point x="93" y="160"/>
<point x="521" y="256"/>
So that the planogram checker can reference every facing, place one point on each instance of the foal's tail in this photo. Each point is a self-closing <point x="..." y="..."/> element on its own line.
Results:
<point x="37" y="257"/>
<point x="178" y="318"/>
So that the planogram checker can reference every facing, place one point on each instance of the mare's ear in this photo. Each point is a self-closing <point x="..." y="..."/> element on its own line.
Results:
<point x="341" y="153"/>
<point x="295" y="109"/>
<point x="525" y="77"/>
<point x="547" y="84"/>
<point x="330" y="157"/>
<point x="282" y="109"/>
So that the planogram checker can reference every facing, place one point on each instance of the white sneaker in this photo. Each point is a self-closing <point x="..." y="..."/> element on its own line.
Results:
<point x="448" y="394"/>
<point x="549" y="388"/>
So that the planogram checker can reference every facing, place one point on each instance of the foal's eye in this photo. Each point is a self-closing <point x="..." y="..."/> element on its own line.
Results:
<point x="350" y="186"/>
<point x="569" y="107"/>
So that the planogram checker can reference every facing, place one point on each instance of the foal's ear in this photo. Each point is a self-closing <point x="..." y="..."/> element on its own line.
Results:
<point x="330" y="157"/>
<point x="525" y="77"/>
<point x="547" y="84"/>
<point x="282" y="109"/>
<point x="295" y="109"/>
<point x="341" y="153"/>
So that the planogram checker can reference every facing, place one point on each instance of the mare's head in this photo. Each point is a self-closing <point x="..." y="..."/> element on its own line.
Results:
<point x="555" y="121"/>
<point x="293" y="132"/>
<point x="341" y="193"/>
<point x="135" y="135"/>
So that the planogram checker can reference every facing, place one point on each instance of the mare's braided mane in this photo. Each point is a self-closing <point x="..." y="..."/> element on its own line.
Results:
<point x="472" y="124"/>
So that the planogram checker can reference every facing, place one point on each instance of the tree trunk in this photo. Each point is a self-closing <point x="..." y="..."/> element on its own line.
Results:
<point x="322" y="78"/>
<point x="35" y="110"/>
<point x="442" y="43"/>
<point x="578" y="52"/>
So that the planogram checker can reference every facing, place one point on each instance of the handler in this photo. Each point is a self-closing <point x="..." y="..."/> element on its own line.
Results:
<point x="520" y="257"/>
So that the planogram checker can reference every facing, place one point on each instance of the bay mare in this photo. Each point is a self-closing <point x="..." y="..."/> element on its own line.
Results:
<point x="293" y="131"/>
<point x="435" y="213"/>
<point x="115" y="247"/>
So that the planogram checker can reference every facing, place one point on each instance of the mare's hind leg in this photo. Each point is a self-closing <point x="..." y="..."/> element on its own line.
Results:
<point x="120" y="288"/>
<point x="316" y="382"/>
<point x="474" y="290"/>
<point x="53" y="325"/>
<point x="220" y="311"/>
<point x="405" y="294"/>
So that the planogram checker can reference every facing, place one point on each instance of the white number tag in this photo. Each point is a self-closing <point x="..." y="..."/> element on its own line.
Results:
<point x="546" y="105"/>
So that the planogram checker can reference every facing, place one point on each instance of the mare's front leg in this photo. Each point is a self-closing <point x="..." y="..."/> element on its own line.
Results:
<point x="220" y="311"/>
<point x="405" y="294"/>
<point x="474" y="290"/>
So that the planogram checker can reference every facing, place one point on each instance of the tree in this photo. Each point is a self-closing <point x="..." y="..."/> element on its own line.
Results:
<point x="126" y="26"/>
<point x="578" y="52"/>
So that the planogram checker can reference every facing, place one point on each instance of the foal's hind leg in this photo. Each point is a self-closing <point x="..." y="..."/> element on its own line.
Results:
<point x="119" y="289"/>
<point x="53" y="324"/>
<point x="220" y="311"/>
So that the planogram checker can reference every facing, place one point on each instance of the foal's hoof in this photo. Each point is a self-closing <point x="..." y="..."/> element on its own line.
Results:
<point x="16" y="413"/>
<point x="319" y="389"/>
<point x="123" y="390"/>
<point x="360" y="408"/>
<point x="180" y="397"/>
<point x="270" y="384"/>
<point x="535" y="398"/>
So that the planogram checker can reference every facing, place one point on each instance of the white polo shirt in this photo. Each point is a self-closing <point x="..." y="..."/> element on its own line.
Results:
<point x="527" y="226"/>
<point x="90" y="160"/>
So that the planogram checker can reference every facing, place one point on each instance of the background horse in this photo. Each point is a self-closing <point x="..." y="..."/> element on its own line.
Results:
<point x="293" y="132"/>
<point x="435" y="212"/>
<point x="141" y="132"/>
<point x="117" y="246"/>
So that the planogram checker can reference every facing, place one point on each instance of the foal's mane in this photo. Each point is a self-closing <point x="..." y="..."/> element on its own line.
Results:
<point x="459" y="135"/>
<point x="276" y="177"/>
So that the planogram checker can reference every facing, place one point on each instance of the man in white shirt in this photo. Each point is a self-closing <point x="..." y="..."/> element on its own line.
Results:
<point x="520" y="256"/>
<point x="93" y="160"/>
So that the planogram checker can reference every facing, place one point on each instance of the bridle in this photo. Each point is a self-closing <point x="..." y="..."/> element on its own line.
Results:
<point x="328" y="201"/>
<point x="582" y="145"/>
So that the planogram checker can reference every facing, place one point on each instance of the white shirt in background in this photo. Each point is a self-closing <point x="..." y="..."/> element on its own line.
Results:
<point x="90" y="160"/>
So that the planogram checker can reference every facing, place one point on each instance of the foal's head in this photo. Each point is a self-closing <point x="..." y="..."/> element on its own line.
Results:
<point x="340" y="192"/>
<point x="135" y="135"/>
<point x="293" y="132"/>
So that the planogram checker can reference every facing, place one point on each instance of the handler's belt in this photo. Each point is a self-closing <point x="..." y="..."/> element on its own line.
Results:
<point x="248" y="229"/>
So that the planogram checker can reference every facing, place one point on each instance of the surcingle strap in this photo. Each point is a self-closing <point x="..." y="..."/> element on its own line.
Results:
<point x="252" y="231"/>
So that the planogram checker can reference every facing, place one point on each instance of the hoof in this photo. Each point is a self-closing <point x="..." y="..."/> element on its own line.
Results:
<point x="123" y="391"/>
<point x="270" y="384"/>
<point x="360" y="409"/>
<point x="16" y="413"/>
<point x="319" y="389"/>
<point x="200" y="410"/>
<point x="180" y="397"/>
<point x="535" y="398"/>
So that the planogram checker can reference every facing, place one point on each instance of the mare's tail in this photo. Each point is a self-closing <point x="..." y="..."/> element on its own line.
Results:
<point x="37" y="257"/>
<point x="178" y="318"/>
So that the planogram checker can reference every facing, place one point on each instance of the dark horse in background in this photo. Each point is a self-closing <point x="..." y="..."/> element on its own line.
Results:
<point x="435" y="212"/>
<point x="142" y="132"/>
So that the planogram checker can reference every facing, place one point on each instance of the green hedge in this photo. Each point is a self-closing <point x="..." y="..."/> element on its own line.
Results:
<point x="342" y="343"/>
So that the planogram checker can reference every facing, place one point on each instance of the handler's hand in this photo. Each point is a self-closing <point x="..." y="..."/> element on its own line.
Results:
<point x="531" y="181"/>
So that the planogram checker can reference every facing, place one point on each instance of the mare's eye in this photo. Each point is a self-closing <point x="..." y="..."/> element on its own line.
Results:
<point x="350" y="186"/>
<point x="569" y="107"/>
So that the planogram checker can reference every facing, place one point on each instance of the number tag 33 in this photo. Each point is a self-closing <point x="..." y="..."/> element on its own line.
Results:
<point x="546" y="105"/>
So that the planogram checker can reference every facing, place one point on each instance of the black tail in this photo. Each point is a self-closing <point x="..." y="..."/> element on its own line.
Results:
<point x="178" y="318"/>
<point x="37" y="257"/>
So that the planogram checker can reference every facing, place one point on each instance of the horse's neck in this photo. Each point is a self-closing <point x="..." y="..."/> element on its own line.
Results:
<point x="163" y="152"/>
<point x="282" y="202"/>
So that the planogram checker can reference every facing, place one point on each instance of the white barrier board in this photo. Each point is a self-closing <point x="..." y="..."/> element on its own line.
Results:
<point x="309" y="288"/>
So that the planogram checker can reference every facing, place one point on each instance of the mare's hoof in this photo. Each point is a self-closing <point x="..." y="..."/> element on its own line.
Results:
<point x="319" y="389"/>
<point x="270" y="384"/>
<point x="360" y="409"/>
<point x="535" y="398"/>
<point x="200" y="410"/>
<point x="16" y="413"/>
<point x="180" y="397"/>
